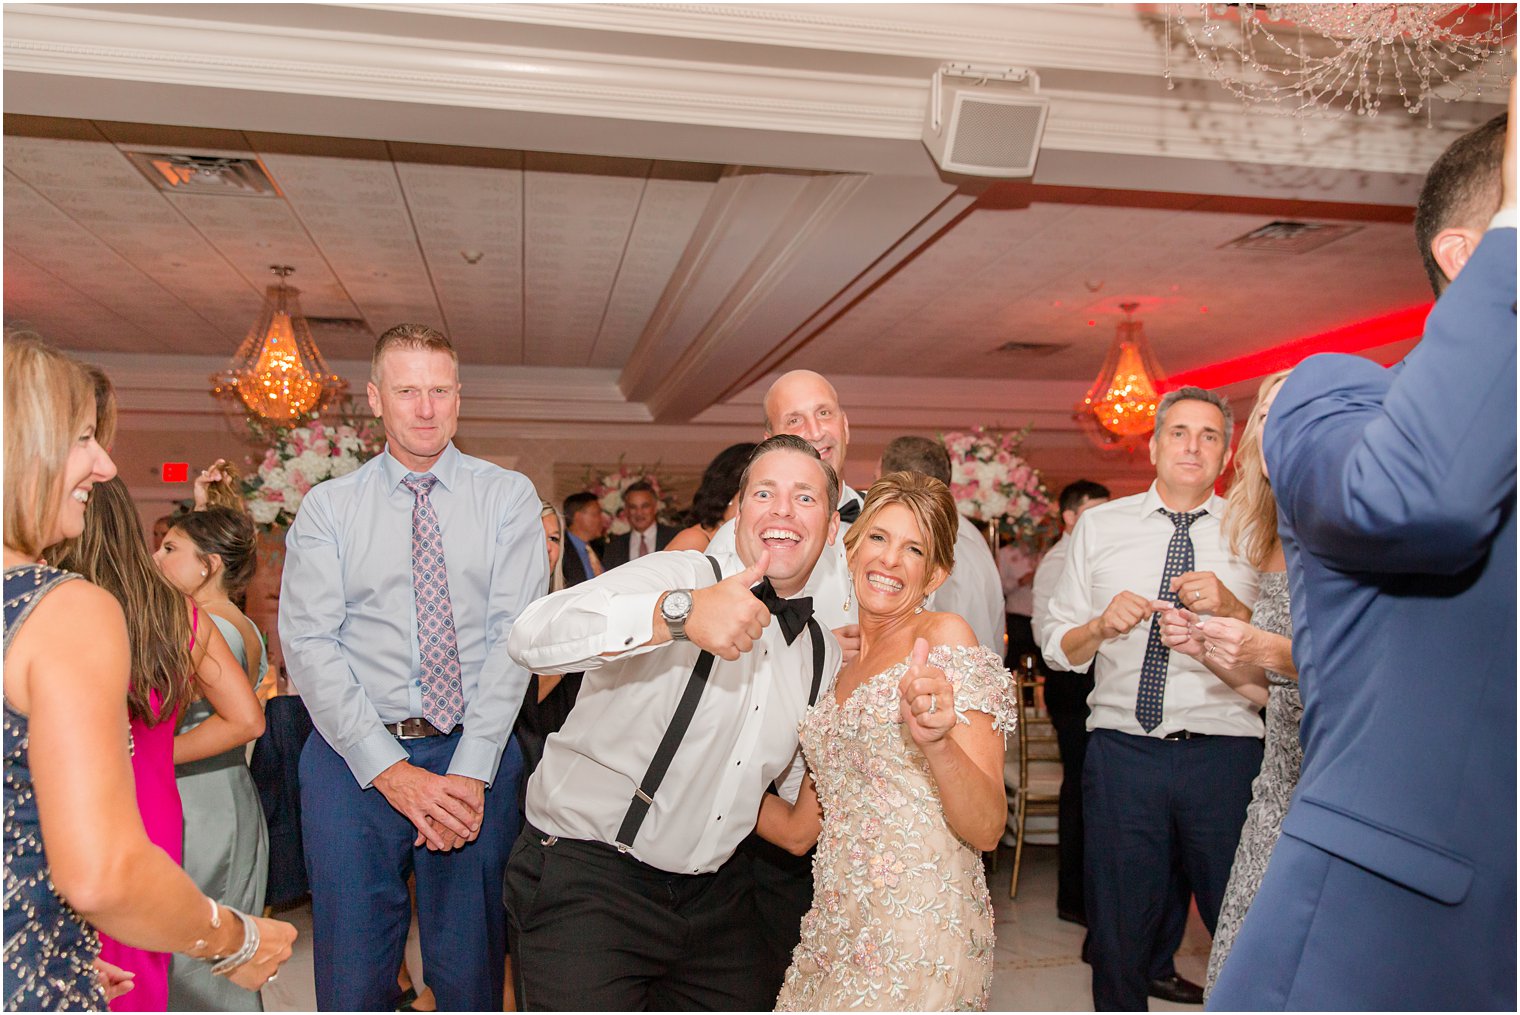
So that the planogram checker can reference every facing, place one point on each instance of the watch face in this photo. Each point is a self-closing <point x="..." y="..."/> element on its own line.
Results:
<point x="676" y="605"/>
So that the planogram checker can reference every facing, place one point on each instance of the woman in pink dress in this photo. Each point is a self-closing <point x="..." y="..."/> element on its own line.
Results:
<point x="177" y="654"/>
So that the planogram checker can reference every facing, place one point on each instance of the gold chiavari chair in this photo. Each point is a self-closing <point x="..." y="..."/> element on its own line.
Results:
<point x="1039" y="789"/>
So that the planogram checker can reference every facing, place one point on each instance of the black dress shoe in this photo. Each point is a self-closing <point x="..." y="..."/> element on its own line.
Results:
<point x="1176" y="990"/>
<point x="1072" y="916"/>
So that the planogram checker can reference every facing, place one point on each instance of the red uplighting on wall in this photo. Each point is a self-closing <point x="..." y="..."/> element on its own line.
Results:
<point x="1368" y="334"/>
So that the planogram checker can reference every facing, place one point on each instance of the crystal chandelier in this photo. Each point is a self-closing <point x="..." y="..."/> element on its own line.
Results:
<point x="1301" y="58"/>
<point x="1119" y="410"/>
<point x="278" y="374"/>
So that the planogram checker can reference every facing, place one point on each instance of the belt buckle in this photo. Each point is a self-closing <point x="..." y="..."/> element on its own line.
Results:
<point x="405" y="728"/>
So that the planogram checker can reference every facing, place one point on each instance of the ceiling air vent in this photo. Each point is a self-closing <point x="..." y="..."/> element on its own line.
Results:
<point x="204" y="174"/>
<point x="1291" y="237"/>
<point x="1031" y="348"/>
<point x="339" y="325"/>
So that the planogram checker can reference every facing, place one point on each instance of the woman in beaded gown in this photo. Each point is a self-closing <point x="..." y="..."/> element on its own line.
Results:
<point x="1256" y="659"/>
<point x="76" y="854"/>
<point x="906" y="758"/>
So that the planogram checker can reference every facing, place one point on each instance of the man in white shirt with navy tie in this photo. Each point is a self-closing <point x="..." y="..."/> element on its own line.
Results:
<point x="1173" y="749"/>
<point x="621" y="891"/>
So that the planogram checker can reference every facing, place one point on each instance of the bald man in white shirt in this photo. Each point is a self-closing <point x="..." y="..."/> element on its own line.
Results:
<point x="802" y="403"/>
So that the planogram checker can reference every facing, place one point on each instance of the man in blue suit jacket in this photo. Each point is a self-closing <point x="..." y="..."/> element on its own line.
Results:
<point x="1393" y="886"/>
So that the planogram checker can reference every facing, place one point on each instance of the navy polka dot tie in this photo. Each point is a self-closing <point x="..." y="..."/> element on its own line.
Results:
<point x="1179" y="560"/>
<point x="442" y="689"/>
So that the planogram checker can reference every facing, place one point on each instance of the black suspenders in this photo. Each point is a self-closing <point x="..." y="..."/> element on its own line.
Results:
<point x="643" y="797"/>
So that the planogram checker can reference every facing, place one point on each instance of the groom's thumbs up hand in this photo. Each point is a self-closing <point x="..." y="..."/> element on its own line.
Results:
<point x="726" y="618"/>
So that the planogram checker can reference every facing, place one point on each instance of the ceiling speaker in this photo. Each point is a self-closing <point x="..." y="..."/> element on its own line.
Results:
<point x="985" y="121"/>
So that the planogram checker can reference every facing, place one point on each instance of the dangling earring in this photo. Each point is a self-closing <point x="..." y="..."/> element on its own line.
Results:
<point x="849" y="591"/>
<point x="920" y="607"/>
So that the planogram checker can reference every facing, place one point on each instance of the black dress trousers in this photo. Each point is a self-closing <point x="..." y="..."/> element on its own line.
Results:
<point x="597" y="930"/>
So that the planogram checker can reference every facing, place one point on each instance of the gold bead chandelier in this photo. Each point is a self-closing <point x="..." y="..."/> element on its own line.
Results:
<point x="1119" y="410"/>
<point x="278" y="374"/>
<point x="1308" y="57"/>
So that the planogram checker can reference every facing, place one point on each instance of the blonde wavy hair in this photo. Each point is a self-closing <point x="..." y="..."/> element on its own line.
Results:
<point x="933" y="508"/>
<point x="49" y="400"/>
<point x="1251" y="520"/>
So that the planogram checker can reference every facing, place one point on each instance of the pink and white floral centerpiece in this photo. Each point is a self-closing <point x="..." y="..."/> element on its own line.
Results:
<point x="610" y="488"/>
<point x="301" y="457"/>
<point x="993" y="484"/>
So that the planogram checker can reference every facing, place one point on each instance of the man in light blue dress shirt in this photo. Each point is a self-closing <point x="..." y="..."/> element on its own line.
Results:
<point x="413" y="769"/>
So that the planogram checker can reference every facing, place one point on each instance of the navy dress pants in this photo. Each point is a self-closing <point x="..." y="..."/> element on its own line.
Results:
<point x="358" y="854"/>
<point x="1152" y="806"/>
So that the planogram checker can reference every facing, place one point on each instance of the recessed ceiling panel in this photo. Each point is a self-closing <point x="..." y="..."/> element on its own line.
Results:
<point x="469" y="224"/>
<point x="579" y="213"/>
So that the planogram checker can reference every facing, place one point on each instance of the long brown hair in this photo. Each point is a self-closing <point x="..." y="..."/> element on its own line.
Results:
<point x="1250" y="521"/>
<point x="49" y="401"/>
<point x="111" y="553"/>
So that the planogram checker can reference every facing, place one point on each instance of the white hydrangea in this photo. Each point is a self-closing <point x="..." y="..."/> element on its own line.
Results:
<point x="264" y="512"/>
<point x="313" y="465"/>
<point x="343" y="466"/>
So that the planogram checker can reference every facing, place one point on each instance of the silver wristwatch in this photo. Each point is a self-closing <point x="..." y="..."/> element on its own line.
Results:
<point x="676" y="609"/>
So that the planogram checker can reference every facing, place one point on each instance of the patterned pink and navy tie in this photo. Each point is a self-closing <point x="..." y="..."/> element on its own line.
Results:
<point x="1179" y="560"/>
<point x="442" y="687"/>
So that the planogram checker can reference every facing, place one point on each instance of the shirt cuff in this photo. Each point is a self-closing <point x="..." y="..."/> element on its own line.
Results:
<point x="476" y="757"/>
<point x="1505" y="219"/>
<point x="373" y="755"/>
<point x="1055" y="657"/>
<point x="630" y="621"/>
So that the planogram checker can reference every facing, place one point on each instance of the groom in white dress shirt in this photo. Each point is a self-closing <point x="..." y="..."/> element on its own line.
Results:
<point x="623" y="891"/>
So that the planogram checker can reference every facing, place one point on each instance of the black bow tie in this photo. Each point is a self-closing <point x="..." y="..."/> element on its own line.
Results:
<point x="849" y="512"/>
<point x="792" y="613"/>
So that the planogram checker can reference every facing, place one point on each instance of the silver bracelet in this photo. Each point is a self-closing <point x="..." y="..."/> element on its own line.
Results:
<point x="246" y="952"/>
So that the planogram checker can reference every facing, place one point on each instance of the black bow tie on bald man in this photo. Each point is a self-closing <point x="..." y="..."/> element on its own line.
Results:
<point x="793" y="614"/>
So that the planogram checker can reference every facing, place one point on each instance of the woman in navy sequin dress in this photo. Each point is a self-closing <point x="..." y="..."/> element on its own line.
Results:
<point x="68" y="780"/>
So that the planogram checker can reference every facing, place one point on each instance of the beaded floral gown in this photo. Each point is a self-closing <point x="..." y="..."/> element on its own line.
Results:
<point x="901" y="918"/>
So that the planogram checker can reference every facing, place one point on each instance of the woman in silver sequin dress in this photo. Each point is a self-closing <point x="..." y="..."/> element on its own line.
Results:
<point x="907" y="754"/>
<point x="1256" y="659"/>
<point x="65" y="726"/>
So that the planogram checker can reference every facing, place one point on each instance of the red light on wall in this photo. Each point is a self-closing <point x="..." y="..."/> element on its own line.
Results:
<point x="1368" y="334"/>
<point x="175" y="472"/>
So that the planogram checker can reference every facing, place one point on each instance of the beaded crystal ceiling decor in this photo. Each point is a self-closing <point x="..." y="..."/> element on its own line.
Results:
<point x="1301" y="59"/>
<point x="278" y="374"/>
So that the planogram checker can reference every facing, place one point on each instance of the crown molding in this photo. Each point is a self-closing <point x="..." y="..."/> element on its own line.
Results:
<point x="795" y="96"/>
<point x="999" y="34"/>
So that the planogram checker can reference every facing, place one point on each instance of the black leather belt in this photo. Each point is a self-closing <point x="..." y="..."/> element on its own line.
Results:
<point x="1185" y="735"/>
<point x="415" y="729"/>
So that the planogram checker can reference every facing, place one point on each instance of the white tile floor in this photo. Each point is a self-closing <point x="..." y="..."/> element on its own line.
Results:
<point x="1039" y="967"/>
